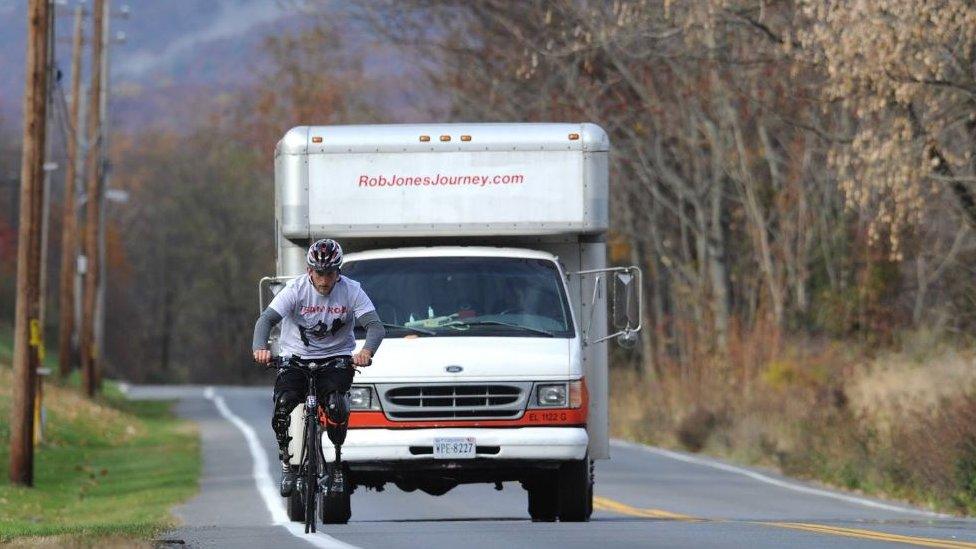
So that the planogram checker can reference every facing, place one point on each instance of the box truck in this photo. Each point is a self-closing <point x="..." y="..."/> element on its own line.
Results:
<point x="483" y="248"/>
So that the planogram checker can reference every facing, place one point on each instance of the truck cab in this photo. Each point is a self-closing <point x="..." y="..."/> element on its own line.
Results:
<point x="482" y="248"/>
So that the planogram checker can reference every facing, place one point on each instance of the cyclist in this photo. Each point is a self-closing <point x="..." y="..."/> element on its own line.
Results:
<point x="318" y="312"/>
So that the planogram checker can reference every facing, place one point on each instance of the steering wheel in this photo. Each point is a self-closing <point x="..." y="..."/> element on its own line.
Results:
<point x="390" y="307"/>
<point x="456" y="325"/>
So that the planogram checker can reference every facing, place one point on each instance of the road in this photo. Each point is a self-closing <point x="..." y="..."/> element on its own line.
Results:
<point x="645" y="497"/>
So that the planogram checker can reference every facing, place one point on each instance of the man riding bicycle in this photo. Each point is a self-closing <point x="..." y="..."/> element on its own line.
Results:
<point x="319" y="311"/>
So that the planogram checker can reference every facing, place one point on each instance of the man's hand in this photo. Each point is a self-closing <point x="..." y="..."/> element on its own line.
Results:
<point x="362" y="358"/>
<point x="262" y="356"/>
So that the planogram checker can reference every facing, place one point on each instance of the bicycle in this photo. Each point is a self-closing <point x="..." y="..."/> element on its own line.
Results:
<point x="314" y="481"/>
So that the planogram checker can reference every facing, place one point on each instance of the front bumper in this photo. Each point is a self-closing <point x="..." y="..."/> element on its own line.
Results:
<point x="532" y="443"/>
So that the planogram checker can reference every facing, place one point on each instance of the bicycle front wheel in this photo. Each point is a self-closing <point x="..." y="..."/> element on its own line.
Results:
<point x="310" y="470"/>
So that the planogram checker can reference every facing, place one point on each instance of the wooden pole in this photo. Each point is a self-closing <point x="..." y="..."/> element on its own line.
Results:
<point x="98" y="332"/>
<point x="46" y="205"/>
<point x="69" y="224"/>
<point x="93" y="168"/>
<point x="26" y="327"/>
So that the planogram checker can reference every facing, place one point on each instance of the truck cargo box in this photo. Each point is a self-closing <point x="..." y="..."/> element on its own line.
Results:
<point x="444" y="180"/>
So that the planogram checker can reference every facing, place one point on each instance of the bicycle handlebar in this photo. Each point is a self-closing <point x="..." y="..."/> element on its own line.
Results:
<point x="311" y="364"/>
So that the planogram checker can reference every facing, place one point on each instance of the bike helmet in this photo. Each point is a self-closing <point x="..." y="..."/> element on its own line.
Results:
<point x="324" y="255"/>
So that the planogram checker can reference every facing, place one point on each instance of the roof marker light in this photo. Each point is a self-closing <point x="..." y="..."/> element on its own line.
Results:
<point x="574" y="137"/>
<point x="445" y="138"/>
<point x="465" y="138"/>
<point x="316" y="139"/>
<point x="424" y="138"/>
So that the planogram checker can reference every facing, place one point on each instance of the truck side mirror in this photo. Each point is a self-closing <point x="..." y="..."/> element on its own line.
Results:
<point x="624" y="301"/>
<point x="268" y="287"/>
<point x="624" y="289"/>
<point x="626" y="307"/>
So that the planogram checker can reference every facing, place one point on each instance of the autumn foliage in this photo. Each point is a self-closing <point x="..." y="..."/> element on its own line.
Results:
<point x="796" y="180"/>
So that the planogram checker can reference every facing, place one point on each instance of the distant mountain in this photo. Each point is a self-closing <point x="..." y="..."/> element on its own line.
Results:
<point x="182" y="58"/>
<point x="176" y="52"/>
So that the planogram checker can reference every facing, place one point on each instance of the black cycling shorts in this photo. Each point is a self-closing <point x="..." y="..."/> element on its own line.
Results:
<point x="326" y="381"/>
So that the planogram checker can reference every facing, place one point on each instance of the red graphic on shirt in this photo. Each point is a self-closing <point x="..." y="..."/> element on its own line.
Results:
<point x="313" y="309"/>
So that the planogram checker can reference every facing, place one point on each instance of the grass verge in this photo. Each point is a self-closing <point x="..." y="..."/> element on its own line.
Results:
<point x="108" y="470"/>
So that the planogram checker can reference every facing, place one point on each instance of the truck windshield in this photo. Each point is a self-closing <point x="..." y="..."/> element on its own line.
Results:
<point x="466" y="296"/>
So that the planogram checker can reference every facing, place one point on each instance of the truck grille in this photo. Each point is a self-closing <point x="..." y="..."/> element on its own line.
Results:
<point x="454" y="401"/>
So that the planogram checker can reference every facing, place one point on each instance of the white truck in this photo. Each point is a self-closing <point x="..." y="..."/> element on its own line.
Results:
<point x="483" y="248"/>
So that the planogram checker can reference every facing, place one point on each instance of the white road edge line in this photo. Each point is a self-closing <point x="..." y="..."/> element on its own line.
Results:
<point x="263" y="482"/>
<point x="774" y="481"/>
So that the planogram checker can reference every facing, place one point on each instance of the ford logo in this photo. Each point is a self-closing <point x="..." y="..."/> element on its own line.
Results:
<point x="454" y="369"/>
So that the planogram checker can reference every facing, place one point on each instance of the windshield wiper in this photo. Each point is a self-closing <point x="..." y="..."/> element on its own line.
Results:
<point x="540" y="331"/>
<point x="412" y="329"/>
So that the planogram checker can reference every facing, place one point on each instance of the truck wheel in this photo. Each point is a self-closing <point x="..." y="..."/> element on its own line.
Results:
<point x="296" y="507"/>
<point x="543" y="502"/>
<point x="336" y="509"/>
<point x="575" y="491"/>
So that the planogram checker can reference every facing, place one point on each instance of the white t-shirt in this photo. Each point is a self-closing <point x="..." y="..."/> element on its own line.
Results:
<point x="319" y="326"/>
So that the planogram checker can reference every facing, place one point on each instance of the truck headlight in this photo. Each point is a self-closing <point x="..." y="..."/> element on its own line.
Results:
<point x="362" y="398"/>
<point x="551" y="394"/>
<point x="559" y="395"/>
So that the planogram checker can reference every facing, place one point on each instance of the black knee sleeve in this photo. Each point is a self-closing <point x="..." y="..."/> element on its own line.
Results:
<point x="338" y="408"/>
<point x="284" y="404"/>
<point x="338" y="418"/>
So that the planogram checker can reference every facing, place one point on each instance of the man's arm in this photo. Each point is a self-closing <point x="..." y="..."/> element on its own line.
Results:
<point x="262" y="330"/>
<point x="374" y="336"/>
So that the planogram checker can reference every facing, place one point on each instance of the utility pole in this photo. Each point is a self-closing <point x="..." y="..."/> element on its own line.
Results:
<point x="26" y="328"/>
<point x="99" y="326"/>
<point x="89" y="354"/>
<point x="79" y="268"/>
<point x="69" y="225"/>
<point x="49" y="166"/>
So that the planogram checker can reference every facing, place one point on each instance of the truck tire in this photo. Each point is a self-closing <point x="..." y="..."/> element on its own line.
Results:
<point x="575" y="491"/>
<point x="336" y="509"/>
<point x="543" y="498"/>
<point x="296" y="507"/>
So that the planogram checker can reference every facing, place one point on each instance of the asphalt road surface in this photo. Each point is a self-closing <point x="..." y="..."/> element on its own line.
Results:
<point x="645" y="497"/>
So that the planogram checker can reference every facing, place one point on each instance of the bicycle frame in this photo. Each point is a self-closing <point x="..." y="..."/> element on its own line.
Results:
<point x="312" y="456"/>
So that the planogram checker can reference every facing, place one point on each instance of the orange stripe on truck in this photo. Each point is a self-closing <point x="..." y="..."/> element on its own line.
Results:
<point x="561" y="417"/>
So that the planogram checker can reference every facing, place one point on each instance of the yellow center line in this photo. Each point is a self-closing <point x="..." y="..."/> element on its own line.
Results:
<point x="871" y="534"/>
<point x="613" y="506"/>
<point x="607" y="504"/>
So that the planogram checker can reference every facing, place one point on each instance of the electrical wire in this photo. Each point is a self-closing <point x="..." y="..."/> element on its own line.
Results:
<point x="62" y="114"/>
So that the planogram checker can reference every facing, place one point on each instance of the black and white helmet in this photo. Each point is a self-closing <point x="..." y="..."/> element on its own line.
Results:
<point x="324" y="255"/>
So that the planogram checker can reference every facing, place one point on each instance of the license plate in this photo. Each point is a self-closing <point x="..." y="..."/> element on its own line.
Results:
<point x="454" y="448"/>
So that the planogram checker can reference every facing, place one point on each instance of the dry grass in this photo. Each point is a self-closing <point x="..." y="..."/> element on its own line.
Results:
<point x="896" y="384"/>
<point x="74" y="542"/>
<point x="900" y="424"/>
<point x="74" y="413"/>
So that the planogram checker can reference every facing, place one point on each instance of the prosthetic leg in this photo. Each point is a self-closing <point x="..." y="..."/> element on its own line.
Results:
<point x="336" y="425"/>
<point x="289" y="436"/>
